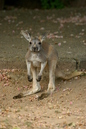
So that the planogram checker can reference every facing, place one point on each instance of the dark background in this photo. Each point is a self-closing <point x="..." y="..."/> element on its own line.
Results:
<point x="32" y="4"/>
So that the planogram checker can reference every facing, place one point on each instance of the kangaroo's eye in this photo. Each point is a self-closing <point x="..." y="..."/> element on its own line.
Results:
<point x="30" y="42"/>
<point x="39" y="43"/>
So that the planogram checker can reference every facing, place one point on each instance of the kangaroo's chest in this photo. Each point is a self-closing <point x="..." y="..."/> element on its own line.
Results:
<point x="35" y="60"/>
<point x="35" y="57"/>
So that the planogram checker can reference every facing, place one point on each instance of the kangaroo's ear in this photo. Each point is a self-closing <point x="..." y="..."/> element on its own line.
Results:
<point x="42" y="38"/>
<point x="26" y="35"/>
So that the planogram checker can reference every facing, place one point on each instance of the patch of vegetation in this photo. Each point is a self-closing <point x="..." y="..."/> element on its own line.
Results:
<point x="51" y="4"/>
<point x="29" y="124"/>
<point x="16" y="128"/>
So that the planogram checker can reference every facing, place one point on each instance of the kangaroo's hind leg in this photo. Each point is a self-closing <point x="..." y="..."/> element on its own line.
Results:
<point x="51" y="85"/>
<point x="52" y="70"/>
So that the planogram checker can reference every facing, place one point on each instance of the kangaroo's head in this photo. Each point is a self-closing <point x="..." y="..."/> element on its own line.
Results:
<point x="35" y="44"/>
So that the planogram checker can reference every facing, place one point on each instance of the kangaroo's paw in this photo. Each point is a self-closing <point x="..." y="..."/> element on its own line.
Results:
<point x="30" y="78"/>
<point x="39" y="78"/>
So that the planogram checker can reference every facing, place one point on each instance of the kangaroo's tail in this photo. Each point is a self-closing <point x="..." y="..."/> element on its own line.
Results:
<point x="65" y="76"/>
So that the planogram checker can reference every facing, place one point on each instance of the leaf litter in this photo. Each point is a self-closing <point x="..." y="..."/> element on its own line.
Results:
<point x="28" y="112"/>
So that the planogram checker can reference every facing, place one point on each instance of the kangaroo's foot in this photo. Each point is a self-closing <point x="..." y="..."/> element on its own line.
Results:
<point x="33" y="91"/>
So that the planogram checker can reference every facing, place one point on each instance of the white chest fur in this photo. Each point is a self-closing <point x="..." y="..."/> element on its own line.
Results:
<point x="35" y="57"/>
<point x="35" y="60"/>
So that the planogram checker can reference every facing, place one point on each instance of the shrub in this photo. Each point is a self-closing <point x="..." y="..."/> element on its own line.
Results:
<point x="51" y="4"/>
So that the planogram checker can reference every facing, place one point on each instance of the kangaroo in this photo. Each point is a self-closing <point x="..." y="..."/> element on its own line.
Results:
<point x="38" y="56"/>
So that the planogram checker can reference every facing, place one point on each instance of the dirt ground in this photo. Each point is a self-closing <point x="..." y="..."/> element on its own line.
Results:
<point x="66" y="107"/>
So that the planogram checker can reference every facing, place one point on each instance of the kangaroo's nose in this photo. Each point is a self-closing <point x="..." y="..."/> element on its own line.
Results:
<point x="35" y="49"/>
